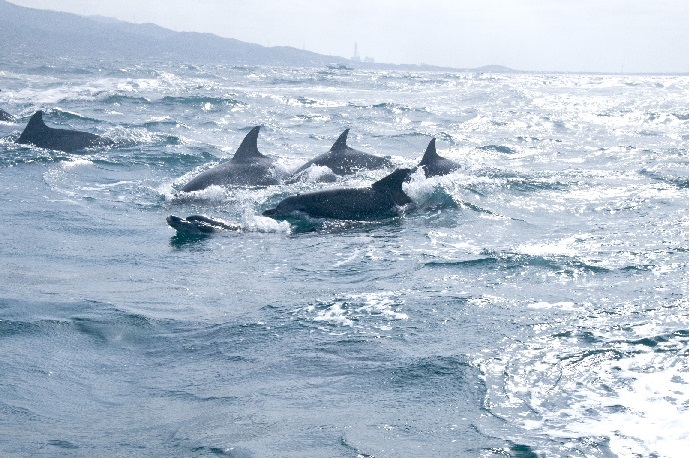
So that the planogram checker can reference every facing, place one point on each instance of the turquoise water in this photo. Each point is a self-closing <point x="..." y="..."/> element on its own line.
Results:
<point x="533" y="303"/>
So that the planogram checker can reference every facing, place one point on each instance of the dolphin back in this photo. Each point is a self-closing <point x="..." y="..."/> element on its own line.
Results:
<point x="38" y="134"/>
<point x="433" y="164"/>
<point x="199" y="224"/>
<point x="5" y="116"/>
<point x="248" y="167"/>
<point x="343" y="160"/>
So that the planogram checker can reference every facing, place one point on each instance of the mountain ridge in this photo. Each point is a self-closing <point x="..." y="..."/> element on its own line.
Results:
<point x="47" y="33"/>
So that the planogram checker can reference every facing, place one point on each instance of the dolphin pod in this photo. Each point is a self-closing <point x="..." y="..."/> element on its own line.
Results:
<point x="383" y="199"/>
<point x="38" y="134"/>
<point x="248" y="167"/>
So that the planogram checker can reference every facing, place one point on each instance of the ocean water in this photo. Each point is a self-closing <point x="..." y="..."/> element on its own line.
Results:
<point x="533" y="303"/>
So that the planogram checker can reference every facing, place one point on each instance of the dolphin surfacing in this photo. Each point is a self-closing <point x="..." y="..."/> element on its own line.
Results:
<point x="435" y="165"/>
<point x="248" y="167"/>
<point x="5" y="116"/>
<point x="199" y="225"/>
<point x="379" y="201"/>
<point x="36" y="133"/>
<point x="343" y="160"/>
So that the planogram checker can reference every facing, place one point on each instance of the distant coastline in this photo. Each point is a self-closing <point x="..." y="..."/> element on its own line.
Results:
<point x="56" y="34"/>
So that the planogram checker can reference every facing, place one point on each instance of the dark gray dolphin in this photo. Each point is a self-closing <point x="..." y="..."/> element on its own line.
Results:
<point x="38" y="134"/>
<point x="199" y="225"/>
<point x="381" y="200"/>
<point x="435" y="165"/>
<point x="5" y="116"/>
<point x="343" y="160"/>
<point x="248" y="167"/>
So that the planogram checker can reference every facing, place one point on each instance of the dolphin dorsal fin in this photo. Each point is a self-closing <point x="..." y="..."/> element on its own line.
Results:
<point x="341" y="142"/>
<point x="392" y="184"/>
<point x="36" y="122"/>
<point x="35" y="127"/>
<point x="430" y="155"/>
<point x="248" y="149"/>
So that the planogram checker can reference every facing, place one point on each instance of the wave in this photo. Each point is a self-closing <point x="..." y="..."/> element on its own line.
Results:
<point x="10" y="328"/>
<point x="48" y="69"/>
<point x="215" y="340"/>
<point x="123" y="328"/>
<point x="430" y="195"/>
<point x="396" y="108"/>
<point x="304" y="224"/>
<point x="594" y="384"/>
<point x="132" y="146"/>
<point x="60" y="115"/>
<point x="509" y="261"/>
<point x="200" y="100"/>
<point x="134" y="134"/>
<point x="164" y="122"/>
<point x="446" y="192"/>
<point x="355" y="314"/>
<point x="488" y="180"/>
<point x="456" y="371"/>
<point x="14" y="154"/>
<point x="534" y="184"/>
<point x="499" y="149"/>
<point x="99" y="321"/>
<point x="676" y="181"/>
<point x="138" y="153"/>
<point x="663" y="342"/>
<point x="122" y="99"/>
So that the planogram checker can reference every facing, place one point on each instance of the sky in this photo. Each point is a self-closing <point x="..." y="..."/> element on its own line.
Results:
<point x="631" y="36"/>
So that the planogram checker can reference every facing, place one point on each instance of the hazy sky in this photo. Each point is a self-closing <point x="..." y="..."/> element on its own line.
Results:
<point x="561" y="35"/>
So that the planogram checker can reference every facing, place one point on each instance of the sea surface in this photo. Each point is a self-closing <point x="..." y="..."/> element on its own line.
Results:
<point x="532" y="304"/>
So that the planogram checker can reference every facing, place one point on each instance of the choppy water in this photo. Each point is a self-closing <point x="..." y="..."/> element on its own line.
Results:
<point x="533" y="303"/>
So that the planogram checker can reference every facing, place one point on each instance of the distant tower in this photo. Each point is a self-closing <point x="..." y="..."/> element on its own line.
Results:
<point x="355" y="57"/>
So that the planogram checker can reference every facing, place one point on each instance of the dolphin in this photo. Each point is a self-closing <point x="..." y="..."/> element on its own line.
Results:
<point x="38" y="134"/>
<point x="435" y="165"/>
<point x="199" y="225"/>
<point x="343" y="160"/>
<point x="5" y="116"/>
<point x="248" y="167"/>
<point x="381" y="200"/>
